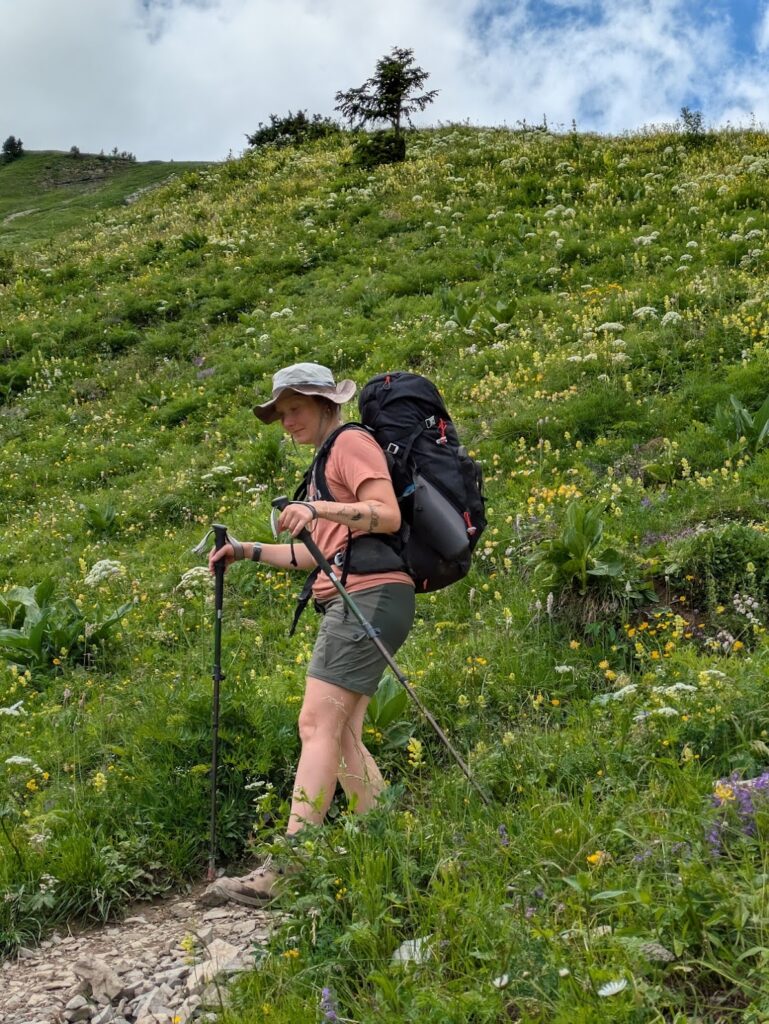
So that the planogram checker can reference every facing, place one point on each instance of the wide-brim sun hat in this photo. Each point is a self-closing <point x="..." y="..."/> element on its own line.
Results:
<point x="306" y="379"/>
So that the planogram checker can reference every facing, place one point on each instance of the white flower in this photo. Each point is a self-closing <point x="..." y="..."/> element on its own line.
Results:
<point x="195" y="578"/>
<point x="626" y="691"/>
<point x="612" y="988"/>
<point x="15" y="709"/>
<point x="106" y="569"/>
<point x="221" y="470"/>
<point x="643" y="312"/>
<point x="18" y="759"/>
<point x="502" y="981"/>
<point x="416" y="950"/>
<point x="671" y="317"/>
<point x="665" y="712"/>
<point x="611" y="327"/>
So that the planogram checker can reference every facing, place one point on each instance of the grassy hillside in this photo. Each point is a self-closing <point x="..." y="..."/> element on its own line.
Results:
<point x="45" y="193"/>
<point x="595" y="312"/>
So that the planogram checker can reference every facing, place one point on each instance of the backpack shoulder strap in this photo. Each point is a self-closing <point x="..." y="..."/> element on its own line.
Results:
<point x="317" y="471"/>
<point x="316" y="474"/>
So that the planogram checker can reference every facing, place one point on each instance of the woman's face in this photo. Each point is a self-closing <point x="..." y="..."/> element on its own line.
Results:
<point x="303" y="417"/>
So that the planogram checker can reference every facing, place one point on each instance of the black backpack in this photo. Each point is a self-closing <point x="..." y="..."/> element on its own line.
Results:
<point x="438" y="486"/>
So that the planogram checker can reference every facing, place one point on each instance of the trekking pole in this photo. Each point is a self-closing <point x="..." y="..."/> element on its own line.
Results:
<point x="373" y="635"/>
<point x="220" y="539"/>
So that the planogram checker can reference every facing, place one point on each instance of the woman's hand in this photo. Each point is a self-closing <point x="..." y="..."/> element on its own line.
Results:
<point x="297" y="516"/>
<point x="225" y="553"/>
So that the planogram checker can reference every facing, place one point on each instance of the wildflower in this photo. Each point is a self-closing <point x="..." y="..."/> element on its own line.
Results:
<point x="612" y="988"/>
<point x="99" y="782"/>
<point x="598" y="859"/>
<point x="504" y="839"/>
<point x="414" y="748"/>
<point x="197" y="578"/>
<point x="574" y="645"/>
<point x="104" y="570"/>
<point x="328" y="1005"/>
<point x="723" y="792"/>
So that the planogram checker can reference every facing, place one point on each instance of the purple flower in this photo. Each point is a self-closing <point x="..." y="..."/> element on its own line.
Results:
<point x="328" y="1005"/>
<point x="739" y="799"/>
<point x="503" y="836"/>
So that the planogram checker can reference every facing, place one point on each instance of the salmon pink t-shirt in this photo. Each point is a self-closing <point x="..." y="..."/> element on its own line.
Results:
<point x="355" y="457"/>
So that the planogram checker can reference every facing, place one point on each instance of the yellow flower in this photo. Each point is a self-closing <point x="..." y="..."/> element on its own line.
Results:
<point x="575" y="645"/>
<point x="724" y="792"/>
<point x="598" y="859"/>
<point x="603" y="664"/>
<point x="414" y="748"/>
<point x="737" y="645"/>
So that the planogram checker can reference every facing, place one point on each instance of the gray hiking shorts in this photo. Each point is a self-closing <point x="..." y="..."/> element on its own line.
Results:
<point x="343" y="653"/>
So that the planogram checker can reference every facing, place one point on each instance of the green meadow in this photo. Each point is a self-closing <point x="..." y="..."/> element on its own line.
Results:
<point x="595" y="311"/>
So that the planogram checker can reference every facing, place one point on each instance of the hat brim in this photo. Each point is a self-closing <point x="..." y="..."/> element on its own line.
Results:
<point x="339" y="394"/>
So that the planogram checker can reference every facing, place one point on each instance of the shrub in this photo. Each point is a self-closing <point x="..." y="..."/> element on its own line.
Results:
<point x="292" y="130"/>
<point x="41" y="631"/>
<point x="717" y="564"/>
<point x="586" y="582"/>
<point x="13" y="148"/>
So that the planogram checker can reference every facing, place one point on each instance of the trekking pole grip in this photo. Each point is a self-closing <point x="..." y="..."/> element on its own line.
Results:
<point x="220" y="535"/>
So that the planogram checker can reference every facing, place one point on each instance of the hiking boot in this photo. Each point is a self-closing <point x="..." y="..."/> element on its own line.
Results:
<point x="254" y="889"/>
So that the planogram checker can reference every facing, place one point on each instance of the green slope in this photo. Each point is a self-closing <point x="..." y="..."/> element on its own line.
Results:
<point x="596" y="312"/>
<point x="45" y="193"/>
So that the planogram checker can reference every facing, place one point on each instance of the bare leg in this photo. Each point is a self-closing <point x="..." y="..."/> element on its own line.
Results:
<point x="359" y="775"/>
<point x="323" y="721"/>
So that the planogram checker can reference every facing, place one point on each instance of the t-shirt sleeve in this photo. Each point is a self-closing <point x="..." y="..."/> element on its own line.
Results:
<point x="355" y="458"/>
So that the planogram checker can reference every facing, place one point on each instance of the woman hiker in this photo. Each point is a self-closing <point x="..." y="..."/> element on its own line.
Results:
<point x="345" y="667"/>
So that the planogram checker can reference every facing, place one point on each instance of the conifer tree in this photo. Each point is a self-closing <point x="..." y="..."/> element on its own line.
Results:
<point x="389" y="95"/>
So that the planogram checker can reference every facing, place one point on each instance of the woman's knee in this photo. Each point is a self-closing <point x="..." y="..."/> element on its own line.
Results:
<point x="320" y="724"/>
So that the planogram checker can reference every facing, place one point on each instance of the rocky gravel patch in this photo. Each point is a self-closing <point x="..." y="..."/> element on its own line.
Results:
<point x="167" y="964"/>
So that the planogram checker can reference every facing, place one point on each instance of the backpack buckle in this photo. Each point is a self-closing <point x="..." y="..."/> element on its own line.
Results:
<point x="393" y="448"/>
<point x="430" y="422"/>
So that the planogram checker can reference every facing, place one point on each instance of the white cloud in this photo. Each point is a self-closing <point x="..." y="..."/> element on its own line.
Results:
<point x="190" y="79"/>
<point x="762" y="34"/>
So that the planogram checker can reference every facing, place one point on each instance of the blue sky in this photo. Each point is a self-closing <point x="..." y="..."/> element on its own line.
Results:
<point x="187" y="79"/>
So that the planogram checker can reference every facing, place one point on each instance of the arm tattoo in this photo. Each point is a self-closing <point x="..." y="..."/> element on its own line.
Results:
<point x="353" y="515"/>
<point x="374" y="519"/>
